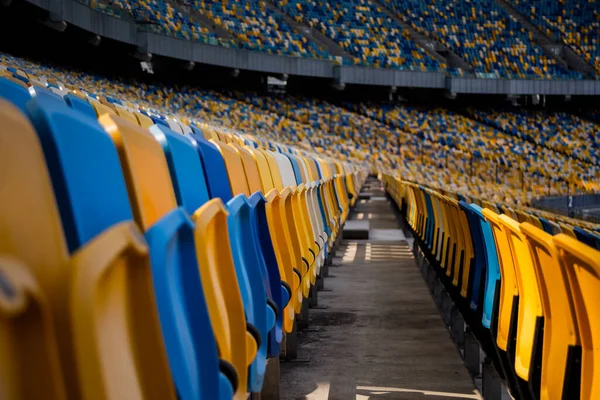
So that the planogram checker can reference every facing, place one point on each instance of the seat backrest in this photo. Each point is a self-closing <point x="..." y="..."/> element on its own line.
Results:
<point x="235" y="169"/>
<point x="479" y="256"/>
<point x="187" y="173"/>
<point x="74" y="160"/>
<point x="214" y="166"/>
<point x="560" y="324"/>
<point x="253" y="178"/>
<point x="80" y="105"/>
<point x="509" y="290"/>
<point x="530" y="303"/>
<point x="583" y="269"/>
<point x="263" y="169"/>
<point x="33" y="281"/>
<point x="145" y="168"/>
<point x="285" y="168"/>
<point x="274" y="168"/>
<point x="296" y="168"/>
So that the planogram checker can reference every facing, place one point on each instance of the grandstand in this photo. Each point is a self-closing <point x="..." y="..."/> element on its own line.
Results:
<point x="172" y="227"/>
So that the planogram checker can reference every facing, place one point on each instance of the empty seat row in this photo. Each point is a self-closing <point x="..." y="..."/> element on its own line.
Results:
<point x="138" y="261"/>
<point x="528" y="285"/>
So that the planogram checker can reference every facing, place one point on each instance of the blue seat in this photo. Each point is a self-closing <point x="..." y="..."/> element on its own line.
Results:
<point x="217" y="180"/>
<point x="185" y="165"/>
<point x="277" y="292"/>
<point x="36" y="91"/>
<point x="478" y="270"/>
<point x="83" y="169"/>
<point x="584" y="237"/>
<point x="185" y="322"/>
<point x="295" y="168"/>
<point x="247" y="261"/>
<point x="159" y="121"/>
<point x="492" y="268"/>
<point x="15" y="93"/>
<point x="80" y="105"/>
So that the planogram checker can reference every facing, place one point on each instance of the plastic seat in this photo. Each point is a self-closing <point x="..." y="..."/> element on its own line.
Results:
<point x="31" y="288"/>
<point x="109" y="261"/>
<point x="492" y="281"/>
<point x="235" y="169"/>
<point x="184" y="319"/>
<point x="583" y="270"/>
<point x="251" y="283"/>
<point x="530" y="315"/>
<point x="477" y="280"/>
<point x="561" y="355"/>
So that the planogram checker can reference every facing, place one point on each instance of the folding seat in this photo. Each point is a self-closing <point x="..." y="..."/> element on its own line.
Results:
<point x="184" y="318"/>
<point x="253" y="275"/>
<point x="465" y="256"/>
<point x="583" y="270"/>
<point x="508" y="301"/>
<point x="561" y="354"/>
<point x="101" y="108"/>
<point x="143" y="120"/>
<point x="492" y="279"/>
<point x="567" y="230"/>
<point x="478" y="269"/>
<point x="530" y="325"/>
<point x="547" y="227"/>
<point x="106" y="264"/>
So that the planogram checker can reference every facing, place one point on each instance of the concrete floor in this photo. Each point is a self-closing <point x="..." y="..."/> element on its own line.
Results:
<point x="377" y="333"/>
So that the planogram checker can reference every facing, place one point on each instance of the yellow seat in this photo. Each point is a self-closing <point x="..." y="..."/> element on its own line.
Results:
<point x="561" y="337"/>
<point x="284" y="251"/>
<point x="530" y="316"/>
<point x="235" y="168"/>
<point x="219" y="283"/>
<point x="582" y="264"/>
<point x="252" y="174"/>
<point x="101" y="108"/>
<point x="143" y="120"/>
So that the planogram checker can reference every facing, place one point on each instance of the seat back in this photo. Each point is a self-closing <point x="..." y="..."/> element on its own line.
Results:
<point x="561" y="336"/>
<point x="145" y="168"/>
<point x="235" y="169"/>
<point x="531" y="314"/>
<point x="583" y="270"/>
<point x="253" y="178"/>
<point x="477" y="284"/>
<point x="212" y="160"/>
<point x="263" y="169"/>
<point x="185" y="167"/>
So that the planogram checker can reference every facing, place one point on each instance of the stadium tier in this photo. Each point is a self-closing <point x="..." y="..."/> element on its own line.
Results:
<point x="575" y="22"/>
<point x="362" y="29"/>
<point x="484" y="35"/>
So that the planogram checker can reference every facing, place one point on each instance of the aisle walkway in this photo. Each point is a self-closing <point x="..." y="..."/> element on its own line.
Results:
<point x="378" y="334"/>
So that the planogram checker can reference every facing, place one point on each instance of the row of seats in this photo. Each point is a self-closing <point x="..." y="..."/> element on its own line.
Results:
<point x="484" y="35"/>
<point x="362" y="29"/>
<point x="574" y="22"/>
<point x="168" y="261"/>
<point x="527" y="285"/>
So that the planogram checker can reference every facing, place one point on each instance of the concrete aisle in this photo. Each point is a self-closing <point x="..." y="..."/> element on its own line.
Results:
<point x="377" y="333"/>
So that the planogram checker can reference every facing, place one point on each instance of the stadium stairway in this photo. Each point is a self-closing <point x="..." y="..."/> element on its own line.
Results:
<point x="376" y="332"/>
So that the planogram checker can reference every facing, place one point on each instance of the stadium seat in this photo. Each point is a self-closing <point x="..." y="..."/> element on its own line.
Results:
<point x="529" y="340"/>
<point x="583" y="270"/>
<point x="31" y="296"/>
<point x="562" y="349"/>
<point x="184" y="317"/>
